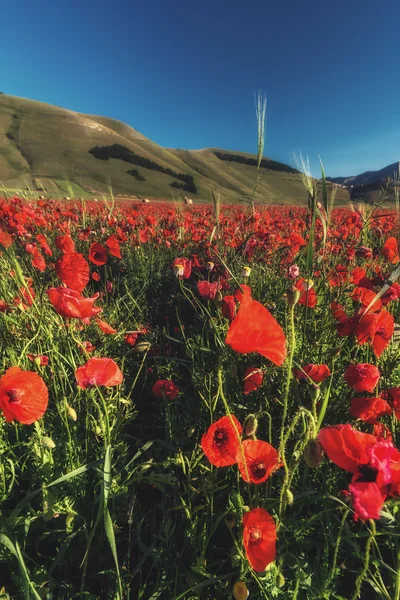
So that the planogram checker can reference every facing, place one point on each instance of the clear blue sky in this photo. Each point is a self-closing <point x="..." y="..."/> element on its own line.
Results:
<point x="183" y="72"/>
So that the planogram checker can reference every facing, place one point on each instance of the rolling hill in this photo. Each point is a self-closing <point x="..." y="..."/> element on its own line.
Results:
<point x="60" y="152"/>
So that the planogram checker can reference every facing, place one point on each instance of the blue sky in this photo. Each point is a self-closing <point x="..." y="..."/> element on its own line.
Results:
<point x="184" y="72"/>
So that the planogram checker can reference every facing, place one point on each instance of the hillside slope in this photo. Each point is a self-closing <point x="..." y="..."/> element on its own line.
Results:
<point x="44" y="147"/>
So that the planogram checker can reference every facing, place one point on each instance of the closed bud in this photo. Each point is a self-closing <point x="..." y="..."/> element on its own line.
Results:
<point x="315" y="392"/>
<point x="142" y="347"/>
<point x="210" y="265"/>
<point x="313" y="454"/>
<point x="71" y="412"/>
<point x="97" y="430"/>
<point x="230" y="520"/>
<point x="178" y="270"/>
<point x="240" y="591"/>
<point x="246" y="272"/>
<point x="250" y="425"/>
<point x="48" y="443"/>
<point x="292" y="296"/>
<point x="38" y="361"/>
<point x="289" y="497"/>
<point x="281" y="581"/>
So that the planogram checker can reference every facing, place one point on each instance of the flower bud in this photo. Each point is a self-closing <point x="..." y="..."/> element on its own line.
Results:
<point x="250" y="425"/>
<point x="142" y="347"/>
<point x="178" y="270"/>
<point x="281" y="581"/>
<point x="292" y="296"/>
<point x="289" y="497"/>
<point x="293" y="272"/>
<point x="246" y="272"/>
<point x="48" y="443"/>
<point x="315" y="392"/>
<point x="230" y="520"/>
<point x="313" y="454"/>
<point x="240" y="591"/>
<point x="210" y="265"/>
<point x="71" y="412"/>
<point x="97" y="430"/>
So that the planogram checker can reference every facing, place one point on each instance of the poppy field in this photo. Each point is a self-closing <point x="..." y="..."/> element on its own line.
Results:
<point x="199" y="402"/>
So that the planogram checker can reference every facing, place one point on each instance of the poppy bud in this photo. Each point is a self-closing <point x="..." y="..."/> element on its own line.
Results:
<point x="292" y="296"/>
<point x="48" y="443"/>
<point x="315" y="392"/>
<point x="178" y="270"/>
<point x="210" y="265"/>
<point x="142" y="347"/>
<point x="230" y="520"/>
<point x="38" y="361"/>
<point x="240" y="591"/>
<point x="289" y="497"/>
<point x="71" y="412"/>
<point x="97" y="430"/>
<point x="313" y="454"/>
<point x="246" y="272"/>
<point x="281" y="581"/>
<point x="250" y="425"/>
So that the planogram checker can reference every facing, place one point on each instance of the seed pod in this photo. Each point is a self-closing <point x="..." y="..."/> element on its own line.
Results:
<point x="48" y="443"/>
<point x="313" y="454"/>
<point x="250" y="425"/>
<point x="240" y="591"/>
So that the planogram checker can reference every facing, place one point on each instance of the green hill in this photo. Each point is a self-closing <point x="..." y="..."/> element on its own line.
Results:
<point x="60" y="152"/>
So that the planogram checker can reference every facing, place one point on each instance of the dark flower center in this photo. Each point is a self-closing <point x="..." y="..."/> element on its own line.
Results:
<point x="13" y="396"/>
<point x="255" y="535"/>
<point x="221" y="438"/>
<point x="259" y="469"/>
<point x="368" y="474"/>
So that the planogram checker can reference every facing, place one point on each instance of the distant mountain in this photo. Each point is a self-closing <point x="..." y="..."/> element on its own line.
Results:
<point x="369" y="177"/>
<point x="60" y="152"/>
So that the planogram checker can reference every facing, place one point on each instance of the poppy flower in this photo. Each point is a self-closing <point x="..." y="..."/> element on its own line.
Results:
<point x="256" y="460"/>
<point x="392" y="395"/>
<point x="207" y="290"/>
<point x="73" y="270"/>
<point x="65" y="244"/>
<point x="105" y="327"/>
<point x="243" y="293"/>
<point x="165" y="388"/>
<point x="259" y="538"/>
<point x="97" y="254"/>
<point x="254" y="329"/>
<point x="374" y="462"/>
<point x="315" y="372"/>
<point x="99" y="371"/>
<point x="131" y="338"/>
<point x="390" y="250"/>
<point x="70" y="304"/>
<point x="23" y="396"/>
<point x="228" y="307"/>
<point x="43" y="244"/>
<point x="369" y="409"/>
<point x="253" y="378"/>
<point x="362" y="377"/>
<point x="220" y="443"/>
<point x="308" y="295"/>
<point x="5" y="239"/>
<point x="376" y="329"/>
<point x="38" y="261"/>
<point x="182" y="267"/>
<point x="113" y="246"/>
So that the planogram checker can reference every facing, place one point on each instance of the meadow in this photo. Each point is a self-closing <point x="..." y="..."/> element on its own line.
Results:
<point x="199" y="402"/>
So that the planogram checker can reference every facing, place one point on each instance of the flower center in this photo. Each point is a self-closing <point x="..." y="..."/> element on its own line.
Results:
<point x="255" y="535"/>
<point x="13" y="396"/>
<point x="221" y="438"/>
<point x="259" y="469"/>
<point x="367" y="473"/>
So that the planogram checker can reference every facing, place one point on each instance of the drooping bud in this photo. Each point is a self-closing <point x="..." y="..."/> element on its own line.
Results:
<point x="315" y="392"/>
<point x="246" y="272"/>
<point x="250" y="425"/>
<point x="142" y="347"/>
<point x="178" y="270"/>
<point x="313" y="454"/>
<point x="71" y="412"/>
<point x="240" y="591"/>
<point x="230" y="520"/>
<point x="210" y="265"/>
<point x="289" y="497"/>
<point x="281" y="581"/>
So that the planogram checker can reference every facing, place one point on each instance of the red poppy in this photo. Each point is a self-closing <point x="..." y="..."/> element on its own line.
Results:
<point x="105" y="327"/>
<point x="256" y="460"/>
<point x="165" y="388"/>
<point x="254" y="329"/>
<point x="228" y="307"/>
<point x="95" y="276"/>
<point x="186" y="265"/>
<point x="23" y="396"/>
<point x="5" y="239"/>
<point x="308" y="295"/>
<point x="99" y="371"/>
<point x="113" y="246"/>
<point x="369" y="409"/>
<point x="38" y="261"/>
<point x="390" y="250"/>
<point x="315" y="372"/>
<point x="65" y="244"/>
<point x="259" y="538"/>
<point x="207" y="290"/>
<point x="70" y="304"/>
<point x="393" y="397"/>
<point x="376" y="329"/>
<point x="73" y="270"/>
<point x="362" y="377"/>
<point x="131" y="338"/>
<point x="374" y="462"/>
<point x="243" y="293"/>
<point x="97" y="254"/>
<point x="43" y="244"/>
<point x="253" y="378"/>
<point x="221" y="442"/>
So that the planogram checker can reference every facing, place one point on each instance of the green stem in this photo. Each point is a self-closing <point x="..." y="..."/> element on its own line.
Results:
<point x="364" y="572"/>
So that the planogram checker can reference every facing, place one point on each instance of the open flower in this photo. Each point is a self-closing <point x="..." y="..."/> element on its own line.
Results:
<point x="369" y="409"/>
<point x="165" y="388"/>
<point x="362" y="377"/>
<point x="315" y="372"/>
<point x="99" y="371"/>
<point x="97" y="254"/>
<point x="259" y="538"/>
<point x="253" y="378"/>
<point x="70" y="304"/>
<point x="257" y="460"/>
<point x="23" y="396"/>
<point x="73" y="270"/>
<point x="221" y="442"/>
